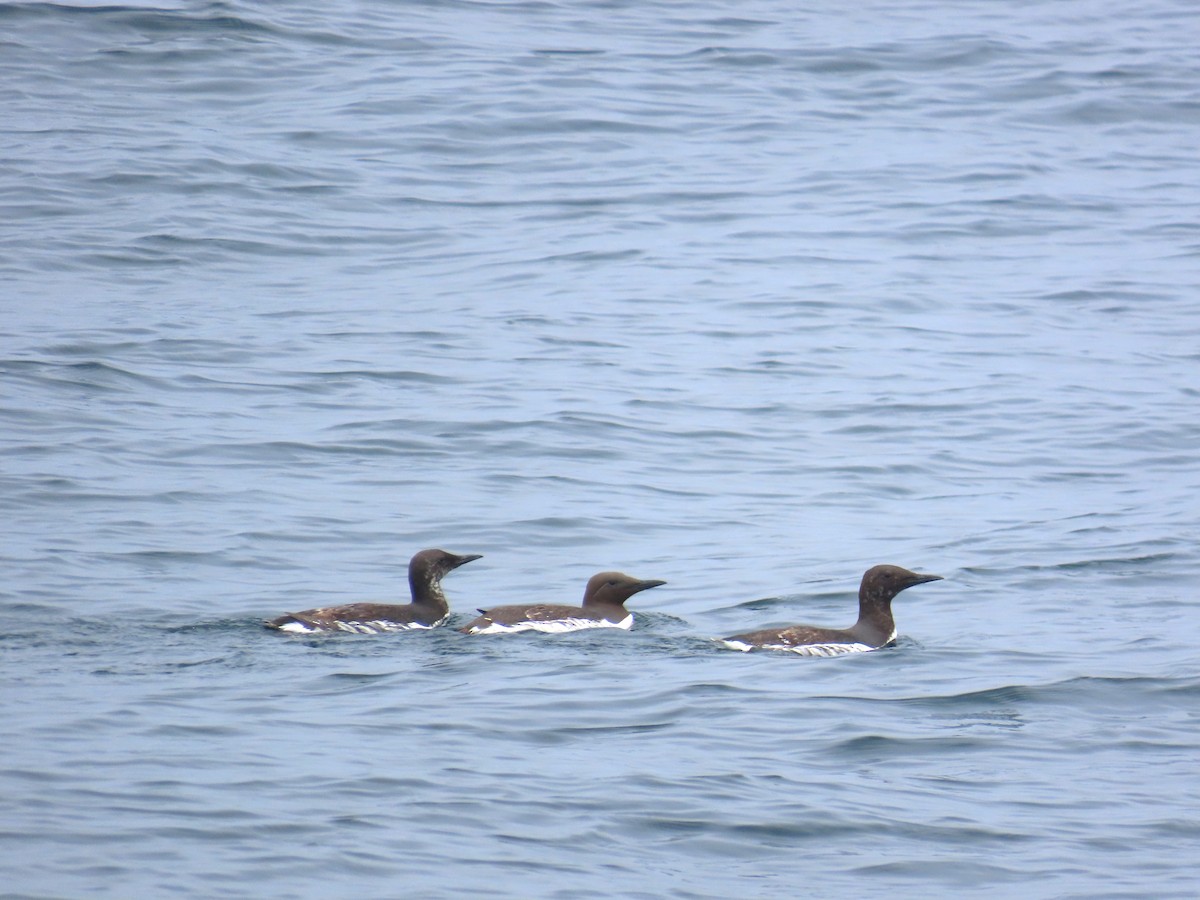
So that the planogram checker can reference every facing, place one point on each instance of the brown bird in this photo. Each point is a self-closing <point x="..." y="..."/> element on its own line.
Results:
<point x="427" y="610"/>
<point x="875" y="627"/>
<point x="603" y="607"/>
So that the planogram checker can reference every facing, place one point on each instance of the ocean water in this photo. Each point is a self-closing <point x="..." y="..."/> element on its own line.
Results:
<point x="746" y="298"/>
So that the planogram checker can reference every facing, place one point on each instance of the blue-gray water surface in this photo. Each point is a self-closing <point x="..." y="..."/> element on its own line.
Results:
<point x="745" y="298"/>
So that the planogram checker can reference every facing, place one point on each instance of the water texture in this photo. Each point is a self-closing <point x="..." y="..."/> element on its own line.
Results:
<point x="743" y="298"/>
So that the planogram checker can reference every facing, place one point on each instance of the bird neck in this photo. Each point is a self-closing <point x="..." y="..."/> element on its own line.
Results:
<point x="875" y="618"/>
<point x="428" y="592"/>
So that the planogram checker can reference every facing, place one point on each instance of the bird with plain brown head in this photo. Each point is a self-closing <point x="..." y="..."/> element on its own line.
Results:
<point x="875" y="627"/>
<point x="603" y="607"/>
